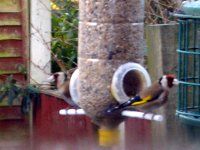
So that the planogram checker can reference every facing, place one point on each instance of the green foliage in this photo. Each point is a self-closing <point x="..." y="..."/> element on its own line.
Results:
<point x="22" y="93"/>
<point x="65" y="33"/>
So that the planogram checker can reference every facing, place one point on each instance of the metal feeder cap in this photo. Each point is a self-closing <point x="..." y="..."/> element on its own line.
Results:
<point x="191" y="7"/>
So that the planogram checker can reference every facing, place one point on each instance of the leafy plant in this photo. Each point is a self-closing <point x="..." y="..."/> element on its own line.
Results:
<point x="23" y="93"/>
<point x="64" y="32"/>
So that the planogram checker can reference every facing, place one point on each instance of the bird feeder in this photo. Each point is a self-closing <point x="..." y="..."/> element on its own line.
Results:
<point x="111" y="53"/>
<point x="189" y="62"/>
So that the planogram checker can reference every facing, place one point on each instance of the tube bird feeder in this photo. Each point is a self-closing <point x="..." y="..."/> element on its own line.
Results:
<point x="110" y="38"/>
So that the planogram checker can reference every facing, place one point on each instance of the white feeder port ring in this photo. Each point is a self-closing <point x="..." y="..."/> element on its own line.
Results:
<point x="128" y="80"/>
<point x="73" y="86"/>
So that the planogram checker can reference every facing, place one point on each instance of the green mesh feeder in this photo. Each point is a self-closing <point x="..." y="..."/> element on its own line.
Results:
<point x="189" y="63"/>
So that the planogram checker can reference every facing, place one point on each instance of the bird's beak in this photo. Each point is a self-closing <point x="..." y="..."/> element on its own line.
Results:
<point x="50" y="79"/>
<point x="175" y="82"/>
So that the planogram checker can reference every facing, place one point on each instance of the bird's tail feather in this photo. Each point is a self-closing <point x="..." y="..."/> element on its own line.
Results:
<point x="123" y="105"/>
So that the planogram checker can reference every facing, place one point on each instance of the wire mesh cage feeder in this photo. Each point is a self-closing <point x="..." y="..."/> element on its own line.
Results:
<point x="189" y="65"/>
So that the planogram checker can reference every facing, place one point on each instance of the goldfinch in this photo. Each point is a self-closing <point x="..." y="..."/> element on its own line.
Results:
<point x="150" y="98"/>
<point x="59" y="80"/>
<point x="61" y="83"/>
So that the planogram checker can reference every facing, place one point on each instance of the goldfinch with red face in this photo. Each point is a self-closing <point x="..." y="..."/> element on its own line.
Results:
<point x="59" y="79"/>
<point x="61" y="83"/>
<point x="150" y="98"/>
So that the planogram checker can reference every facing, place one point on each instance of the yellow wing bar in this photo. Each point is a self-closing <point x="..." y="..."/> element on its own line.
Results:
<point x="144" y="100"/>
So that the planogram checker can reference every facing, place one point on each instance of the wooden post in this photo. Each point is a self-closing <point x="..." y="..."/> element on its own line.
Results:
<point x="40" y="26"/>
